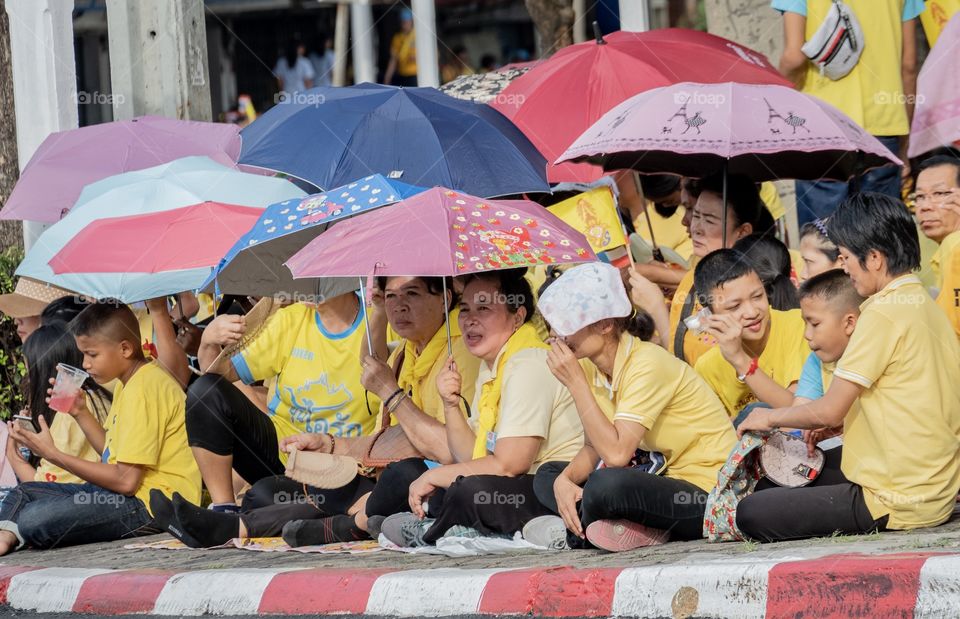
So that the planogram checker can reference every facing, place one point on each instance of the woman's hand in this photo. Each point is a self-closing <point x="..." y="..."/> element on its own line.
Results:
<point x="421" y="489"/>
<point x="449" y="383"/>
<point x="307" y="441"/>
<point x="189" y="336"/>
<point x="564" y="365"/>
<point x="225" y="330"/>
<point x="568" y="494"/>
<point x="158" y="307"/>
<point x="644" y="293"/>
<point x="12" y="451"/>
<point x="812" y="437"/>
<point x="40" y="443"/>
<point x="378" y="377"/>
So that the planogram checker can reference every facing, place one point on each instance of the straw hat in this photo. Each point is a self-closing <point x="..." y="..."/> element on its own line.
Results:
<point x="29" y="298"/>
<point x="321" y="470"/>
<point x="256" y="320"/>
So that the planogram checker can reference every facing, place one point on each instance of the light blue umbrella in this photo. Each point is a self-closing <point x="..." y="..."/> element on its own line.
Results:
<point x="184" y="182"/>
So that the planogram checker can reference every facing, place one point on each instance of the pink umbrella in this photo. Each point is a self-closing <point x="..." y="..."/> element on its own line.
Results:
<point x="68" y="160"/>
<point x="936" y="118"/>
<point x="190" y="237"/>
<point x="765" y="132"/>
<point x="441" y="232"/>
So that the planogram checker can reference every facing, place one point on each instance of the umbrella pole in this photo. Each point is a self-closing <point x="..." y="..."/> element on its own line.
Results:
<point x="366" y="323"/>
<point x="446" y="317"/>
<point x="657" y="254"/>
<point x="723" y="218"/>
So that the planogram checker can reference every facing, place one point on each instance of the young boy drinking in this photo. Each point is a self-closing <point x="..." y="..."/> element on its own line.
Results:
<point x="760" y="351"/>
<point x="900" y="460"/>
<point x="143" y="447"/>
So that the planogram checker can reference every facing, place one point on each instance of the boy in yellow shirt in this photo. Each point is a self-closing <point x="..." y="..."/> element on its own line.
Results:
<point x="144" y="447"/>
<point x="760" y="351"/>
<point x="900" y="461"/>
<point x="938" y="212"/>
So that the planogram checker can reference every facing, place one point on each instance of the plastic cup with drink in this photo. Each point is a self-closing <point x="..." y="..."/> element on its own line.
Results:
<point x="66" y="387"/>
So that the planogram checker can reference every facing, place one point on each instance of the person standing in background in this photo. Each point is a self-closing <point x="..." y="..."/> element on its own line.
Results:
<point x="402" y="69"/>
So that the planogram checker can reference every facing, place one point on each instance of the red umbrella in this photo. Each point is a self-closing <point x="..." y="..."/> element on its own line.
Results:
<point x="190" y="237"/>
<point x="561" y="97"/>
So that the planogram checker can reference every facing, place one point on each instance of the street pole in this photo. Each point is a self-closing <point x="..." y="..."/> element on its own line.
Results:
<point x="340" y="41"/>
<point x="361" y="26"/>
<point x="579" y="21"/>
<point x="44" y="78"/>
<point x="634" y="15"/>
<point x="158" y="59"/>
<point x="425" y="25"/>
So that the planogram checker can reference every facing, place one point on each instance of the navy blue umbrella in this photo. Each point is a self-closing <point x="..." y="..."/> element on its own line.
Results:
<point x="332" y="136"/>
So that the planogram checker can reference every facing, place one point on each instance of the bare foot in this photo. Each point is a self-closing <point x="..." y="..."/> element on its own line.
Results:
<point x="8" y="542"/>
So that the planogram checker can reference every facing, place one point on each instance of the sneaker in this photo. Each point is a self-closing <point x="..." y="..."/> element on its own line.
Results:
<point x="406" y="530"/>
<point x="620" y="535"/>
<point x="548" y="532"/>
<point x="459" y="530"/>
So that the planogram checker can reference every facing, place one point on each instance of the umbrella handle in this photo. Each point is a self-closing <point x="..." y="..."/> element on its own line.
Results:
<point x="366" y="323"/>
<point x="657" y="254"/>
<point x="446" y="317"/>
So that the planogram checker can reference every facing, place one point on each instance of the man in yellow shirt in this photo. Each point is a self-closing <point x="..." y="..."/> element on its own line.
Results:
<point x="760" y="352"/>
<point x="402" y="69"/>
<point x="900" y="460"/>
<point x="877" y="94"/>
<point x="143" y="449"/>
<point x="938" y="211"/>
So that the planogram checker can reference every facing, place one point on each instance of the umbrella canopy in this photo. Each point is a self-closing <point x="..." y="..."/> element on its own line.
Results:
<point x="482" y="87"/>
<point x="563" y="96"/>
<point x="936" y="118"/>
<point x="190" y="237"/>
<point x="184" y="182"/>
<point x="69" y="160"/>
<point x="254" y="265"/>
<point x="441" y="232"/>
<point x="332" y="136"/>
<point x="764" y="132"/>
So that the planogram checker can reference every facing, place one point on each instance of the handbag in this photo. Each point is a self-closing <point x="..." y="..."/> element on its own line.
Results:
<point x="836" y="46"/>
<point x="785" y="462"/>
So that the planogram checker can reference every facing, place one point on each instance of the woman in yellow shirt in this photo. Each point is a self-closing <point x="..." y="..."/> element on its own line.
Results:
<point x="44" y="349"/>
<point x="521" y="417"/>
<point x="664" y="413"/>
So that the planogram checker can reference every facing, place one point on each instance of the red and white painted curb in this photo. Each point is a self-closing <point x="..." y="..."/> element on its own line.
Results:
<point x="849" y="585"/>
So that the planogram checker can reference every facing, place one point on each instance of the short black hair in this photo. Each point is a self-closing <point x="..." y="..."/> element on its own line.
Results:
<point x="836" y="288"/>
<point x="743" y="198"/>
<point x="771" y="260"/>
<point x="940" y="160"/>
<point x="434" y="286"/>
<point x="716" y="269"/>
<point x="109" y="319"/>
<point x="659" y="185"/>
<point x="63" y="310"/>
<point x="513" y="285"/>
<point x="874" y="221"/>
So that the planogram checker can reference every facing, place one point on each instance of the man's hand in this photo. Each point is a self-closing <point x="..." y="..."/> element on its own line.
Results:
<point x="40" y="443"/>
<point x="568" y="494"/>
<point x="760" y="420"/>
<point x="79" y="403"/>
<point x="421" y="489"/>
<point x="564" y="365"/>
<point x="378" y="377"/>
<point x="158" y="306"/>
<point x="449" y="383"/>
<point x="812" y="437"/>
<point x="225" y="330"/>
<point x="307" y="441"/>
<point x="728" y="332"/>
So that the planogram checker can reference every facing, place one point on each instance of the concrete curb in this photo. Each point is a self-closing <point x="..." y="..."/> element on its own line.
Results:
<point x="849" y="585"/>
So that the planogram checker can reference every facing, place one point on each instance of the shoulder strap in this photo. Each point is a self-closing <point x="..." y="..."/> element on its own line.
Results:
<point x="397" y="364"/>
<point x="681" y="333"/>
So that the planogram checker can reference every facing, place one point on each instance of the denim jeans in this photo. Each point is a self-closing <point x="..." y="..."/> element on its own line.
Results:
<point x="48" y="515"/>
<point x="818" y="199"/>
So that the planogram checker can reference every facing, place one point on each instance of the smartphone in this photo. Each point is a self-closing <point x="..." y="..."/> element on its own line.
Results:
<point x="25" y="423"/>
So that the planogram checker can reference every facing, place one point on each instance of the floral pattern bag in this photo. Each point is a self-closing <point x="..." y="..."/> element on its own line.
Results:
<point x="737" y="479"/>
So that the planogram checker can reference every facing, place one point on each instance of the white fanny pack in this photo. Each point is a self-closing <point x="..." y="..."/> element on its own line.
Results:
<point x="837" y="45"/>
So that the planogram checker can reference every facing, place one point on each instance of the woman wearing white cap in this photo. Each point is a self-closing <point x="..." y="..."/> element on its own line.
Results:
<point x="665" y="420"/>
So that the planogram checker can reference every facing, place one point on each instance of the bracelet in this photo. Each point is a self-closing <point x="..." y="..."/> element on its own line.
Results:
<point x="751" y="370"/>
<point x="386" y="403"/>
<point x="333" y="442"/>
<point x="396" y="403"/>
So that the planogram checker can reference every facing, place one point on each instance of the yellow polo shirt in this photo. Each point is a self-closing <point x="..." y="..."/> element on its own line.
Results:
<point x="782" y="360"/>
<point x="533" y="403"/>
<point x="404" y="47"/>
<point x="683" y="418"/>
<point x="669" y="231"/>
<point x="946" y="265"/>
<point x="694" y="344"/>
<point x="903" y="445"/>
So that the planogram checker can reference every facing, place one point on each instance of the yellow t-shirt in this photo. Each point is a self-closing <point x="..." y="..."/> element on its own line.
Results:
<point x="404" y="47"/>
<point x="318" y="374"/>
<point x="946" y="264"/>
<point x="683" y="418"/>
<point x="903" y="445"/>
<point x="70" y="439"/>
<point x="669" y="231"/>
<point x="694" y="344"/>
<point x="870" y="93"/>
<point x="147" y="426"/>
<point x="782" y="360"/>
<point x="467" y="364"/>
<point x="533" y="403"/>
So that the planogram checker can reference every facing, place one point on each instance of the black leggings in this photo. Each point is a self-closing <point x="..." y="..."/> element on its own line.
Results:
<point x="274" y="501"/>
<point x="222" y="420"/>
<point x="628" y="494"/>
<point x="829" y="505"/>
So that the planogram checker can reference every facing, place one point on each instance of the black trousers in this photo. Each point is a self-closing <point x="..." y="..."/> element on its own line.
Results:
<point x="489" y="503"/>
<point x="391" y="494"/>
<point x="274" y="501"/>
<point x="829" y="505"/>
<point x="222" y="420"/>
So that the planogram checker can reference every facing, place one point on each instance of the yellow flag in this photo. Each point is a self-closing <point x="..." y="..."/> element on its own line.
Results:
<point x="936" y="16"/>
<point x="595" y="215"/>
